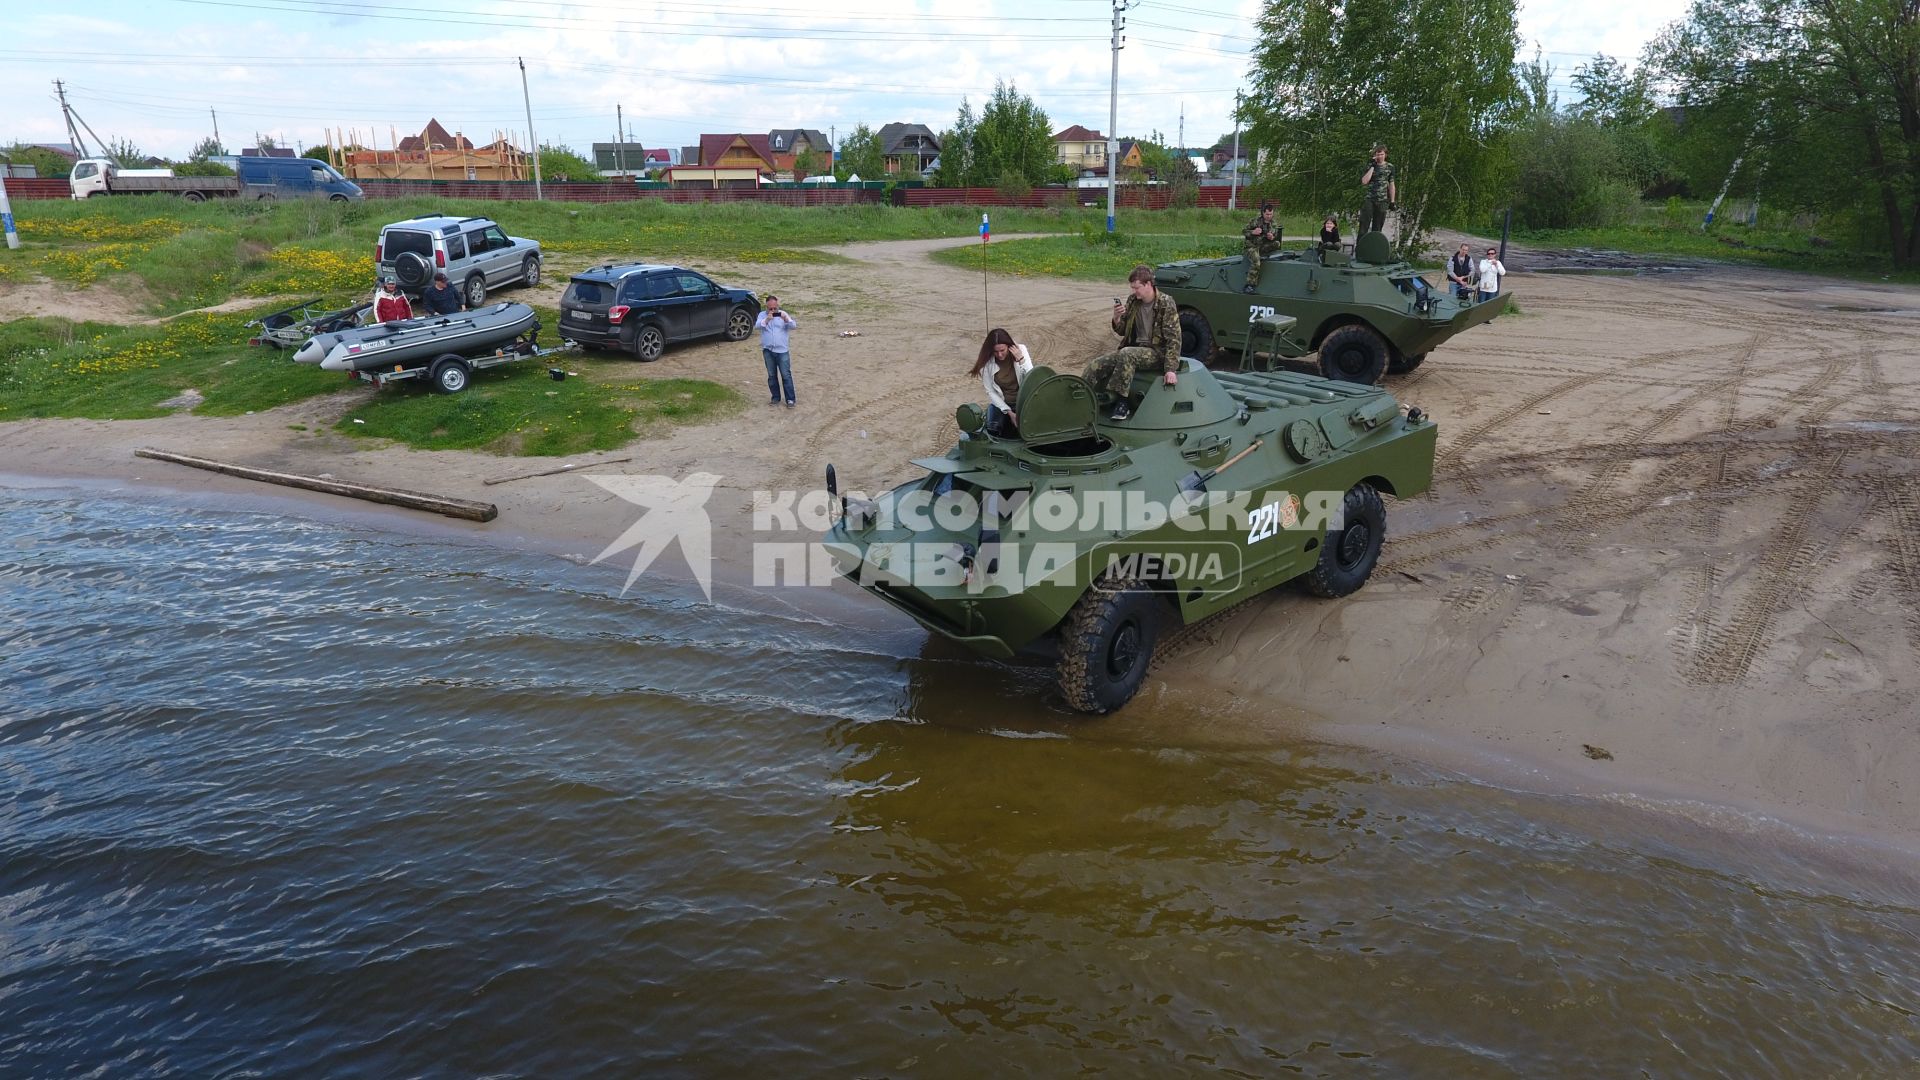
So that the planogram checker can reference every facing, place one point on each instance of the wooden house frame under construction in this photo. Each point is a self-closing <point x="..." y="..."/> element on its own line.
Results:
<point x="434" y="154"/>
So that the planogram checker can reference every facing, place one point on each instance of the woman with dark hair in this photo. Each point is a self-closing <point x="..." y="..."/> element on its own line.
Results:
<point x="1330" y="234"/>
<point x="1002" y="367"/>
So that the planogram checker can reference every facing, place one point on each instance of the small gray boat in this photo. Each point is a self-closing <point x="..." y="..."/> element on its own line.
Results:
<point x="411" y="343"/>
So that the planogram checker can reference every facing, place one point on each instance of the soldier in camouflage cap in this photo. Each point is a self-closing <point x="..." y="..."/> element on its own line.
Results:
<point x="1149" y="329"/>
<point x="1262" y="236"/>
<point x="1382" y="193"/>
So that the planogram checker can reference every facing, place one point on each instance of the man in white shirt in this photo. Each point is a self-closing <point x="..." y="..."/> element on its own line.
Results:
<point x="1490" y="273"/>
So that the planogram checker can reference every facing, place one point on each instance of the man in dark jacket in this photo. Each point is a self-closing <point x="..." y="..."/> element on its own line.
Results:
<point x="442" y="298"/>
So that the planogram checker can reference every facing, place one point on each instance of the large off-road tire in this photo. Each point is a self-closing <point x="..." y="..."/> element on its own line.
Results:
<point x="739" y="324"/>
<point x="1348" y="554"/>
<point x="530" y="271"/>
<point x="649" y="342"/>
<point x="412" y="270"/>
<point x="1401" y="363"/>
<point x="1354" y="353"/>
<point x="475" y="287"/>
<point x="1196" y="335"/>
<point x="1106" y="644"/>
<point x="450" y="374"/>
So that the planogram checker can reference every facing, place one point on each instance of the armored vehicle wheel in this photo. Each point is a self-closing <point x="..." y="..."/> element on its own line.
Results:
<point x="739" y="324"/>
<point x="530" y="271"/>
<point x="476" y="289"/>
<point x="1353" y="353"/>
<point x="1106" y="643"/>
<point x="450" y="374"/>
<point x="1196" y="335"/>
<point x="1348" y="554"/>
<point x="1402" y="363"/>
<point x="649" y="343"/>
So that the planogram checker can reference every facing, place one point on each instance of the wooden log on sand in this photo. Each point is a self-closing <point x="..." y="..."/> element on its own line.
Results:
<point x="416" y="500"/>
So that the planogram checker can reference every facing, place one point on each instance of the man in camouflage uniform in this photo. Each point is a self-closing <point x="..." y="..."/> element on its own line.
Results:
<point x="1149" y="329"/>
<point x="1262" y="237"/>
<point x="1382" y="193"/>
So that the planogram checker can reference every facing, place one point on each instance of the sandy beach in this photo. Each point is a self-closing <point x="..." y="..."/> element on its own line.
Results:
<point x="1672" y="550"/>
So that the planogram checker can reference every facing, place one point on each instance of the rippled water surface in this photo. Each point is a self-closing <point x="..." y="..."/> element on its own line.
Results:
<point x="290" y="798"/>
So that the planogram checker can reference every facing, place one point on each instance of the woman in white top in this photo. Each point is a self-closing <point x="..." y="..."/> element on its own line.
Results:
<point x="1490" y="273"/>
<point x="1003" y="366"/>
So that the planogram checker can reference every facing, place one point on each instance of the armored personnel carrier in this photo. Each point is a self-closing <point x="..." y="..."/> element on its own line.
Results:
<point x="1367" y="315"/>
<point x="1083" y="540"/>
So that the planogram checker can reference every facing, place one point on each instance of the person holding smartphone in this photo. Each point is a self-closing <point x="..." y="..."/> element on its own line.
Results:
<point x="774" y="326"/>
<point x="1149" y="327"/>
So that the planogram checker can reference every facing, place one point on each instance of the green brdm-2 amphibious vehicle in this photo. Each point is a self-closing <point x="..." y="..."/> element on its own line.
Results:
<point x="1367" y="315"/>
<point x="1083" y="539"/>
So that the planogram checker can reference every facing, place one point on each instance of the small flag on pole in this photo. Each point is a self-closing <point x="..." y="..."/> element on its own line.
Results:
<point x="984" y="230"/>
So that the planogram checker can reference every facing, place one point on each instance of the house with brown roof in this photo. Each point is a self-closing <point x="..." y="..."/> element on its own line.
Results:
<point x="1081" y="148"/>
<point x="909" y="147"/>
<point x="734" y="160"/>
<point x="787" y="144"/>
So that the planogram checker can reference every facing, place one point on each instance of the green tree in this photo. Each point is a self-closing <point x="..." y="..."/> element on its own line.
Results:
<point x="45" y="162"/>
<point x="805" y="163"/>
<point x="861" y="155"/>
<point x="1819" y="97"/>
<point x="1013" y="144"/>
<point x="957" y="167"/>
<point x="124" y="153"/>
<point x="1434" y="79"/>
<point x="560" y="163"/>
<point x="208" y="147"/>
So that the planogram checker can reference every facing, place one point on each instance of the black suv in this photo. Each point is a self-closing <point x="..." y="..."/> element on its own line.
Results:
<point x="642" y="307"/>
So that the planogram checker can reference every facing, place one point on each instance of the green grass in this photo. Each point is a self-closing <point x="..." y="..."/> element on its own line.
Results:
<point x="57" y="368"/>
<point x="516" y="409"/>
<point x="1672" y="229"/>
<point x="186" y="255"/>
<point x="53" y="367"/>
<point x="1094" y="255"/>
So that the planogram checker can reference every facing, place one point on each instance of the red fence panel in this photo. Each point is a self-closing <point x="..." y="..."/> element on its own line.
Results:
<point x="39" y="187"/>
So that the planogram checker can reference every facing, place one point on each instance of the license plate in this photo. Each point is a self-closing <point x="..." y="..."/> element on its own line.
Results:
<point x="587" y="315"/>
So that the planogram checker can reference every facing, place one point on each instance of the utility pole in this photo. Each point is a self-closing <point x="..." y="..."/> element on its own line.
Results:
<point x="66" y="112"/>
<point x="216" y="128"/>
<point x="619" y="148"/>
<point x="1183" y="129"/>
<point x="1113" y="111"/>
<point x="532" y="139"/>
<point x="1233" y="193"/>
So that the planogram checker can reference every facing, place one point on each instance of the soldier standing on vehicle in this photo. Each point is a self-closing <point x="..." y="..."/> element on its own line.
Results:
<point x="1262" y="237"/>
<point x="1149" y="327"/>
<point x="1382" y="193"/>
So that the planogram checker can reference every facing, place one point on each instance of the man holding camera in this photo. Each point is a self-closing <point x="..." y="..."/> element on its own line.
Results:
<point x="1382" y="193"/>
<point x="1148" y="323"/>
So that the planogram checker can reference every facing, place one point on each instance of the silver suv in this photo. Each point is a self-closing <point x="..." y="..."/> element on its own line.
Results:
<point x="474" y="253"/>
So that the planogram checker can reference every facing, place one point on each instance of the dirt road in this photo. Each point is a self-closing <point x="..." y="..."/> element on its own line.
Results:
<point x="1673" y="548"/>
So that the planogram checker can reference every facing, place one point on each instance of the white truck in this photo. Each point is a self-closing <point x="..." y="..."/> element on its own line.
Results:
<point x="255" y="178"/>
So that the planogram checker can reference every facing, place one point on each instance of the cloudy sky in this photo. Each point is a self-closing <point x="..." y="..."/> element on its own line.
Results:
<point x="150" y="70"/>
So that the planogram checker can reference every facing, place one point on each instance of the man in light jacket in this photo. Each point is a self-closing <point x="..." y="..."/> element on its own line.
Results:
<point x="774" y="326"/>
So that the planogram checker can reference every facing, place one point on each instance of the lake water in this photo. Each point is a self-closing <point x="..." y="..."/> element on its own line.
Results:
<point x="287" y="798"/>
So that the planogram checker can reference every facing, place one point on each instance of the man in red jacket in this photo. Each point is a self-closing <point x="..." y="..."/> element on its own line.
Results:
<point x="391" y="305"/>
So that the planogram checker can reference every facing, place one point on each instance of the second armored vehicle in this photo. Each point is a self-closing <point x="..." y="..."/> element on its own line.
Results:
<point x="1367" y="314"/>
<point x="1084" y="539"/>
